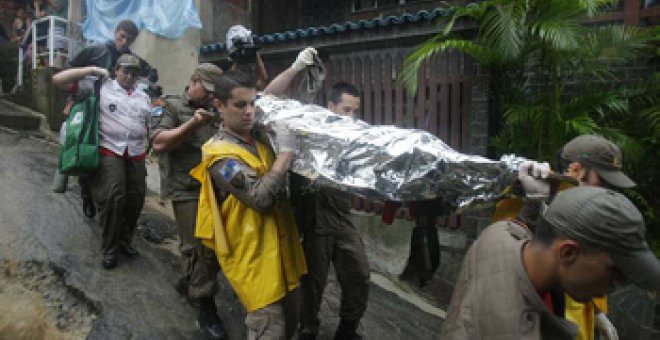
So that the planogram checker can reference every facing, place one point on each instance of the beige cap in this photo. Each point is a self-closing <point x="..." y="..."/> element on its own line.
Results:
<point x="208" y="73"/>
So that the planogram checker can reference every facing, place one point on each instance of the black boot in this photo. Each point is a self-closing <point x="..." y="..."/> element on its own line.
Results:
<point x="181" y="286"/>
<point x="209" y="322"/>
<point x="307" y="336"/>
<point x="109" y="260"/>
<point x="129" y="251"/>
<point x="89" y="209"/>
<point x="347" y="330"/>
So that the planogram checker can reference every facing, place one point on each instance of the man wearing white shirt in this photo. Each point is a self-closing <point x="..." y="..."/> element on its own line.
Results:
<point x="119" y="184"/>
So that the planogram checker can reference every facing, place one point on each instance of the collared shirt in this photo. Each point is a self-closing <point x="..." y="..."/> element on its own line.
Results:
<point x="123" y="117"/>
<point x="494" y="298"/>
<point x="175" y="164"/>
<point x="259" y="193"/>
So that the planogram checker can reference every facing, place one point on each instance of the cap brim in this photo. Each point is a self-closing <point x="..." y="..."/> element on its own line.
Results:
<point x="641" y="268"/>
<point x="130" y="65"/>
<point x="208" y="86"/>
<point x="616" y="178"/>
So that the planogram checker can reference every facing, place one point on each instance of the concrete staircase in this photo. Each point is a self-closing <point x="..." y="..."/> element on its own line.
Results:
<point x="17" y="117"/>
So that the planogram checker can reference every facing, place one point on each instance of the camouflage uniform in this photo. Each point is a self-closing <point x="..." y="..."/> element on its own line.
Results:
<point x="199" y="265"/>
<point x="329" y="235"/>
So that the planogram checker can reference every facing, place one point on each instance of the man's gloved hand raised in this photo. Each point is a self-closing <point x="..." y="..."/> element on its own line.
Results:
<point x="285" y="139"/>
<point x="533" y="177"/>
<point x="605" y="327"/>
<point x="305" y="58"/>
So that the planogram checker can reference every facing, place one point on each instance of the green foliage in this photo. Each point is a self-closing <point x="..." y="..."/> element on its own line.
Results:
<point x="553" y="78"/>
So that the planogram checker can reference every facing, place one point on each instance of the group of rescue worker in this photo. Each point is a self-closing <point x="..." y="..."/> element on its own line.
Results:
<point x="228" y="191"/>
<point x="274" y="236"/>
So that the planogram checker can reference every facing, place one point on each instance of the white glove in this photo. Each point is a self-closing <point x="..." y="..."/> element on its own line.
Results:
<point x="100" y="72"/>
<point x="238" y="33"/>
<point x="605" y="327"/>
<point x="305" y="58"/>
<point x="285" y="139"/>
<point x="532" y="176"/>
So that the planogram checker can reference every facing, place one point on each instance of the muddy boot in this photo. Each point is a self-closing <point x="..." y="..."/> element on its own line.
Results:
<point x="347" y="330"/>
<point x="89" y="208"/>
<point x="181" y="286"/>
<point x="129" y="251"/>
<point x="307" y="336"/>
<point x="209" y="322"/>
<point x="109" y="260"/>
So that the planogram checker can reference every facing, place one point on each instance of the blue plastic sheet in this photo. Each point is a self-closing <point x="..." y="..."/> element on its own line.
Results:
<point x="167" y="18"/>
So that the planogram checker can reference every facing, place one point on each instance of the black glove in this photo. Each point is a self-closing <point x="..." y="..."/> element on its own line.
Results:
<point x="153" y="75"/>
<point x="154" y="91"/>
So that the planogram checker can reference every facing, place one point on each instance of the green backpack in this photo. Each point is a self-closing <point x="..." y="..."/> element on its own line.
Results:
<point x="79" y="154"/>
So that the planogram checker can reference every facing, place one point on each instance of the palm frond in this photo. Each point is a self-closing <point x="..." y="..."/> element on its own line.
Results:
<point x="525" y="115"/>
<point x="557" y="24"/>
<point x="580" y="124"/>
<point x="475" y="11"/>
<point x="651" y="118"/>
<point x="502" y="29"/>
<point x="618" y="43"/>
<point x="592" y="7"/>
<point x="415" y="60"/>
<point x="558" y="34"/>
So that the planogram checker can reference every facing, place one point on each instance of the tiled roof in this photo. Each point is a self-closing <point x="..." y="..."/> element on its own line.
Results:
<point x="392" y="20"/>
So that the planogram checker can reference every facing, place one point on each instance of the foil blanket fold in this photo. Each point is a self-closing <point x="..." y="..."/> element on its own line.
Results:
<point x="384" y="162"/>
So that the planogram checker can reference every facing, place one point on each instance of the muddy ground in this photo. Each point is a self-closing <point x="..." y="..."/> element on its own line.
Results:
<point x="50" y="270"/>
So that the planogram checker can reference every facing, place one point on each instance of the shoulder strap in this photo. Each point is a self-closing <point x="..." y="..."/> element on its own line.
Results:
<point x="90" y="118"/>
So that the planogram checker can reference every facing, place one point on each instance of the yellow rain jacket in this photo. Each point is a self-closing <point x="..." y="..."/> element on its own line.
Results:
<point x="583" y="314"/>
<point x="260" y="253"/>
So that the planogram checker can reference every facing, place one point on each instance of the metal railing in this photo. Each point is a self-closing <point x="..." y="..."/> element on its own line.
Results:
<point x="63" y="40"/>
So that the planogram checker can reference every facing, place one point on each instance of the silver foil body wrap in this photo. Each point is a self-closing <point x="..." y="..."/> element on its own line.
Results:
<point x="384" y="162"/>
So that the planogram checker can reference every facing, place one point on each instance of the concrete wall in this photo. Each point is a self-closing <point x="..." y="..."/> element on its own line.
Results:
<point x="174" y="59"/>
<point x="218" y="16"/>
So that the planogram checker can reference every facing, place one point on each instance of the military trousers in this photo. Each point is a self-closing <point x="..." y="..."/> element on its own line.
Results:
<point x="345" y="251"/>
<point x="276" y="321"/>
<point x="199" y="264"/>
<point x="118" y="187"/>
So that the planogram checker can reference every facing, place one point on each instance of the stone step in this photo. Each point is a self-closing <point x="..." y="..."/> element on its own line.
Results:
<point x="18" y="117"/>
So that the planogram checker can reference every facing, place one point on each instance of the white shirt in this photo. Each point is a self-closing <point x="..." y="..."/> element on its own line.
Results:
<point x="124" y="117"/>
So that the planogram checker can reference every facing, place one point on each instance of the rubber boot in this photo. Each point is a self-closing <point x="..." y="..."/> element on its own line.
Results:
<point x="209" y="322"/>
<point x="347" y="330"/>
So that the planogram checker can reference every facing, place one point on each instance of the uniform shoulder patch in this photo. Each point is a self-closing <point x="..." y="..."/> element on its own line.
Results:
<point x="156" y="111"/>
<point x="230" y="169"/>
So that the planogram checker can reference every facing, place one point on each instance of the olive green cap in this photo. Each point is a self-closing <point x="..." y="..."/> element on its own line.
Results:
<point x="605" y="219"/>
<point x="599" y="154"/>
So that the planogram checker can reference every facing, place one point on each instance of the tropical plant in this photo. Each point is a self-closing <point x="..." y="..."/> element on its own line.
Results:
<point x="552" y="77"/>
